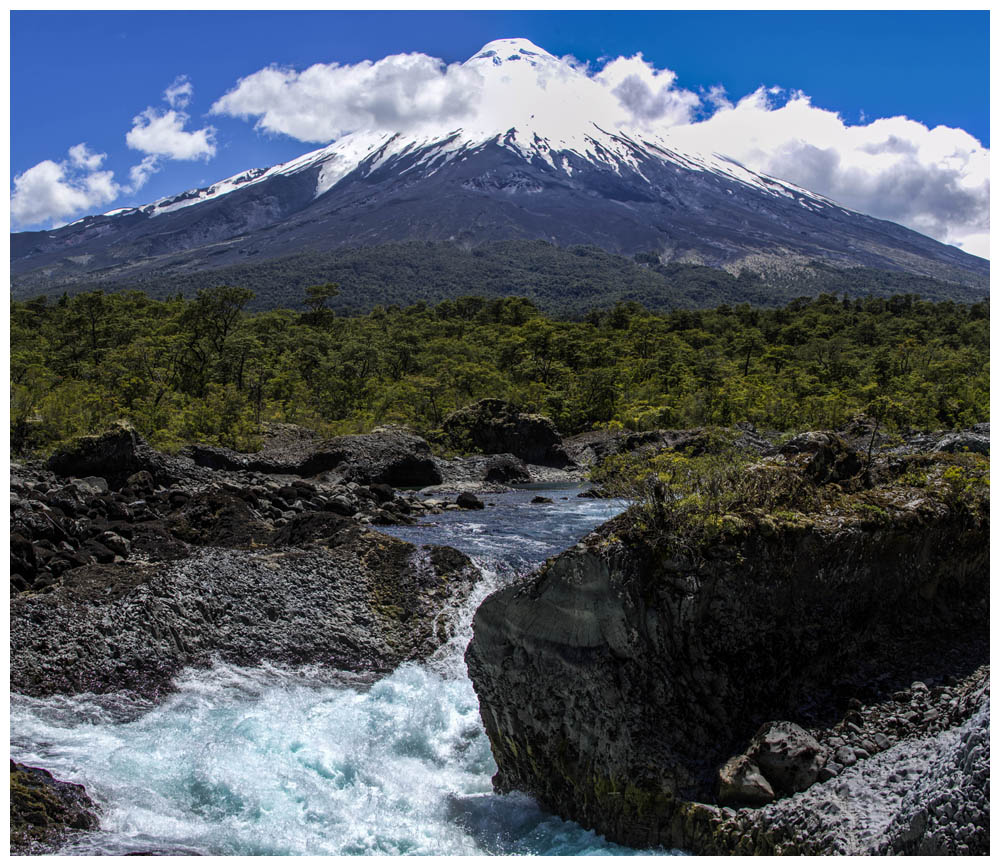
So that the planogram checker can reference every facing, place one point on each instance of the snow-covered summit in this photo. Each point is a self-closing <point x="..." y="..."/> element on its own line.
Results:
<point x="545" y="110"/>
<point x="504" y="52"/>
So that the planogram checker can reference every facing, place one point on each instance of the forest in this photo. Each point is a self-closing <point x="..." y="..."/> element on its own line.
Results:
<point x="208" y="369"/>
<point x="564" y="282"/>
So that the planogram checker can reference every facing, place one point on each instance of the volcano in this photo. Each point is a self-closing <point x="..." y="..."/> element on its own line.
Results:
<point x="533" y="165"/>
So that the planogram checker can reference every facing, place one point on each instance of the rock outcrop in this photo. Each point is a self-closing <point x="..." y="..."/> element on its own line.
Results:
<point x="925" y="793"/>
<point x="114" y="455"/>
<point x="385" y="456"/>
<point x="618" y="680"/>
<point x="589" y="449"/>
<point x="496" y="427"/>
<point x="489" y="469"/>
<point x="119" y="580"/>
<point x="61" y="521"/>
<point x="356" y="600"/>
<point x="43" y="810"/>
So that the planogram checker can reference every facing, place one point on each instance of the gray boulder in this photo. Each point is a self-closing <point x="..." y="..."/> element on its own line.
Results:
<point x="741" y="783"/>
<point x="956" y="443"/>
<point x="789" y="757"/>
<point x="387" y="455"/>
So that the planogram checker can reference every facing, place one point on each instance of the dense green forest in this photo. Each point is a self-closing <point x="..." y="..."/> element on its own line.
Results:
<point x="565" y="282"/>
<point x="206" y="369"/>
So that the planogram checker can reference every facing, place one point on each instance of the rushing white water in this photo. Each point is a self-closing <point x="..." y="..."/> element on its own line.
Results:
<point x="271" y="761"/>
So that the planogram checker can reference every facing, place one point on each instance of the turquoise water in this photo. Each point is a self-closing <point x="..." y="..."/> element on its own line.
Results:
<point x="272" y="761"/>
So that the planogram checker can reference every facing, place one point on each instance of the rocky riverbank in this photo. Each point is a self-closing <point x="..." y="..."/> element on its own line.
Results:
<point x="761" y="680"/>
<point x="128" y="565"/>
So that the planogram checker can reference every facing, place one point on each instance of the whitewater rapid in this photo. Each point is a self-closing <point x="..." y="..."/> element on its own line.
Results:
<point x="258" y="761"/>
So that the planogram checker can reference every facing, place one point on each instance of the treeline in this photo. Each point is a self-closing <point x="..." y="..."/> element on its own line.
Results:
<point x="564" y="282"/>
<point x="207" y="370"/>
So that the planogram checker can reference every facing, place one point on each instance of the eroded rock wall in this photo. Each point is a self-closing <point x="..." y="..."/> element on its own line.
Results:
<point x="616" y="682"/>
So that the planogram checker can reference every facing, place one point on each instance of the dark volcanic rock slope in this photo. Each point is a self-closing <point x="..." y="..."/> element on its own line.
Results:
<point x="493" y="194"/>
<point x="617" y="682"/>
<point x="362" y="601"/>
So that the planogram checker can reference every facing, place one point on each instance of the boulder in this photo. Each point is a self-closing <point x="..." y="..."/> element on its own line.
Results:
<point x="506" y="469"/>
<point x="487" y="473"/>
<point x="387" y="455"/>
<point x="828" y="457"/>
<point x="113" y="455"/>
<point x="93" y="486"/>
<point x="788" y="757"/>
<point x="741" y="783"/>
<point x="362" y="602"/>
<point x="957" y="443"/>
<point x="383" y="492"/>
<point x="496" y="427"/>
<point x="43" y="810"/>
<point x="469" y="500"/>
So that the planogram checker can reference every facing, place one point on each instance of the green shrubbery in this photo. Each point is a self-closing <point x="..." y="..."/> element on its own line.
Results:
<point x="206" y="369"/>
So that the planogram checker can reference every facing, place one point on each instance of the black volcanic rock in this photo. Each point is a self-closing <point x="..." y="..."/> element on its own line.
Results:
<point x="387" y="455"/>
<point x="617" y="680"/>
<point x="362" y="601"/>
<point x="114" y="455"/>
<point x="44" y="809"/>
<point x="496" y="427"/>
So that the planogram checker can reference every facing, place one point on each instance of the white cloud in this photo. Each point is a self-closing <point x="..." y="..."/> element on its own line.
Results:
<point x="54" y="191"/>
<point x="163" y="134"/>
<point x="648" y="94"/>
<point x="933" y="180"/>
<point x="179" y="94"/>
<point x="82" y="157"/>
<point x="326" y="101"/>
<point x="141" y="173"/>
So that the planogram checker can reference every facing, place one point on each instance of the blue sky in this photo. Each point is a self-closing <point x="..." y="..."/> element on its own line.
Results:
<point x="82" y="77"/>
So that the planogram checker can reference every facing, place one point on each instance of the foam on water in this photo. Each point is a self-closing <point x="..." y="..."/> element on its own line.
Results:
<point x="272" y="761"/>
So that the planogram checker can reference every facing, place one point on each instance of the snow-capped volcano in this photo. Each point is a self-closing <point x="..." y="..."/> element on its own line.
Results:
<point x="542" y="156"/>
<point x="531" y="104"/>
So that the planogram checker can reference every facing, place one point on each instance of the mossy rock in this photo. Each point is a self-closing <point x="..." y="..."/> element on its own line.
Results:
<point x="43" y="810"/>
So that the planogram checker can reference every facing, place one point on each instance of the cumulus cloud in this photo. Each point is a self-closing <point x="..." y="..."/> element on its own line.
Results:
<point x="326" y="101"/>
<point x="53" y="191"/>
<point x="179" y="94"/>
<point x="646" y="93"/>
<point x="933" y="180"/>
<point x="141" y="173"/>
<point x="162" y="133"/>
<point x="82" y="157"/>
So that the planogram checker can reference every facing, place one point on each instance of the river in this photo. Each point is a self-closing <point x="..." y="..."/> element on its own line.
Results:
<point x="250" y="761"/>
